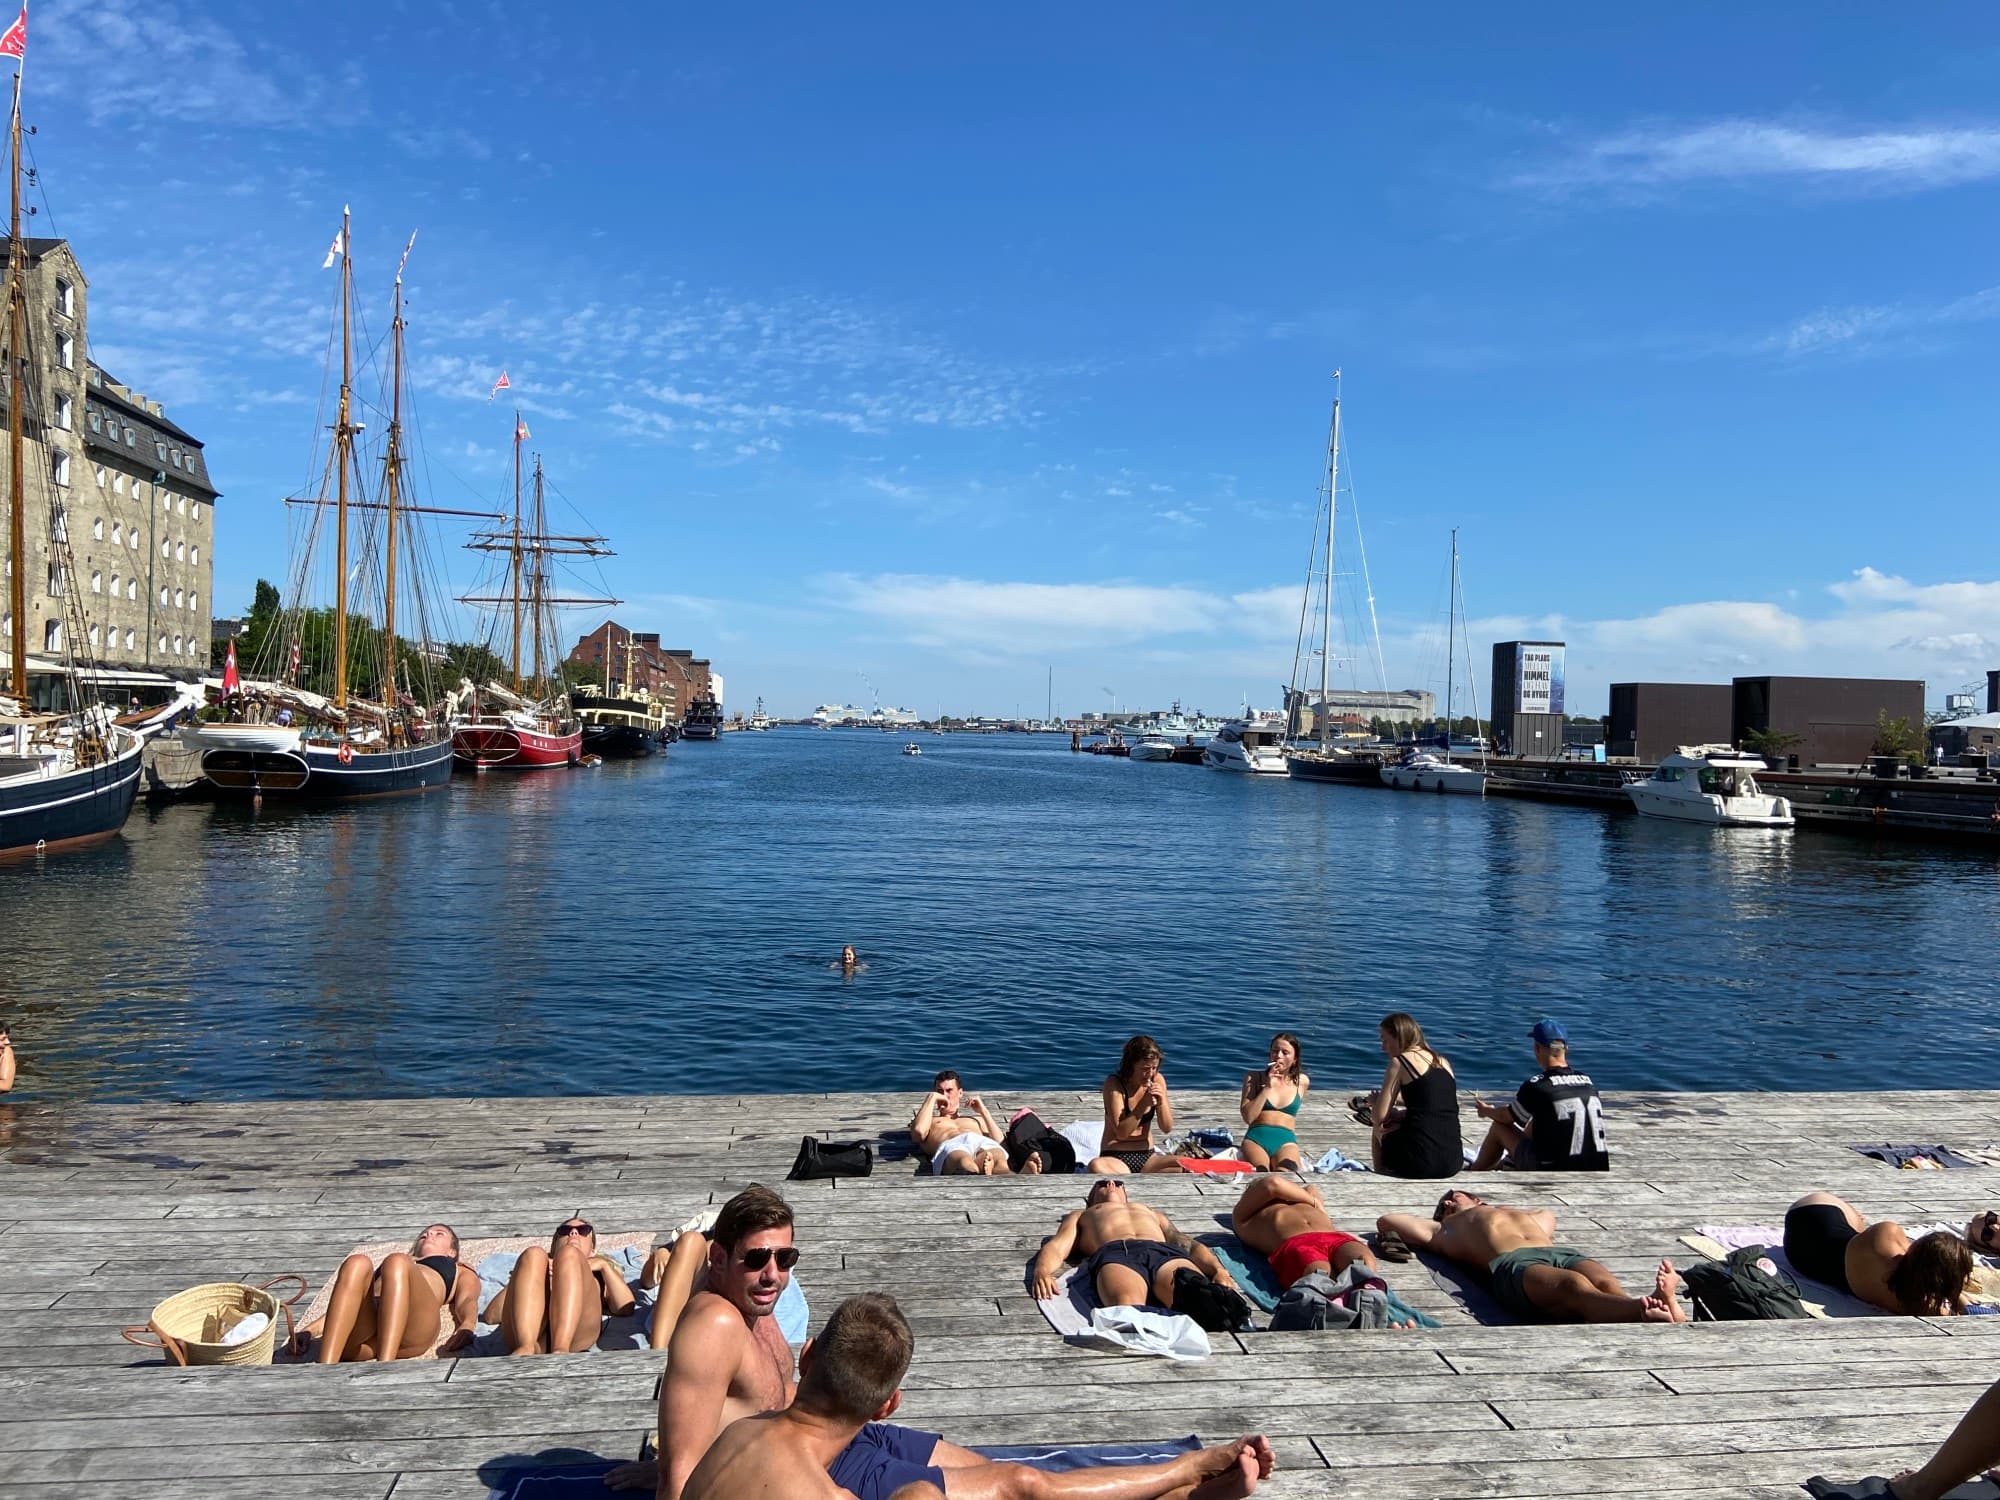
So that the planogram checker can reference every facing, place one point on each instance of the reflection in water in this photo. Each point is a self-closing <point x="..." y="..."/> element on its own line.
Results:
<point x="665" y="926"/>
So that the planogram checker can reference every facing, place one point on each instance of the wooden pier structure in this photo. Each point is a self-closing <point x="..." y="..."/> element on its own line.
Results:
<point x="104" y="1210"/>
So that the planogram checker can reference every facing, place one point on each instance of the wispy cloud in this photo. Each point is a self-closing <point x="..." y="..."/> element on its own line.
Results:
<point x="1881" y="328"/>
<point x="1663" y="155"/>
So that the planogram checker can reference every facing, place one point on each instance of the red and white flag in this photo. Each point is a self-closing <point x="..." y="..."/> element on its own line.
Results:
<point x="293" y="671"/>
<point x="231" y="683"/>
<point x="521" y="433"/>
<point x="14" y="41"/>
<point x="503" y="383"/>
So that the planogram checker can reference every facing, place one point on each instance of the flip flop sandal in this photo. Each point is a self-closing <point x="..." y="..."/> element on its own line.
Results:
<point x="1362" y="1107"/>
<point x="1389" y="1246"/>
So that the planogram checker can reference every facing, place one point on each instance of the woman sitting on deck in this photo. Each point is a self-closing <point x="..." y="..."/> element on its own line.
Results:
<point x="557" y="1299"/>
<point x="1414" y="1114"/>
<point x="1134" y="1098"/>
<point x="393" y="1312"/>
<point x="1272" y="1099"/>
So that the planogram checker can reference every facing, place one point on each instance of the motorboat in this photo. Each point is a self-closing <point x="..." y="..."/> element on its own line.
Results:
<point x="1421" y="771"/>
<point x="1153" y="747"/>
<point x="1713" y="784"/>
<point x="913" y="748"/>
<point x="1251" y="745"/>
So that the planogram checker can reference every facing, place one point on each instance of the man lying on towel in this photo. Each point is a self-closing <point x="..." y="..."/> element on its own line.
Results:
<point x="727" y="1361"/>
<point x="1132" y="1251"/>
<point x="959" y="1134"/>
<point x="1288" y="1222"/>
<point x="849" y="1382"/>
<point x="1530" y="1275"/>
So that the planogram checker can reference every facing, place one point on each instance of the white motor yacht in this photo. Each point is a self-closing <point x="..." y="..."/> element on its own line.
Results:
<point x="1423" y="772"/>
<point x="1153" y="747"/>
<point x="1713" y="784"/>
<point x="913" y="748"/>
<point x="1250" y="745"/>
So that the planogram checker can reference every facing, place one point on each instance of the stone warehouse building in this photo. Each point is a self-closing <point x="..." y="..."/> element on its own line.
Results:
<point x="128" y="488"/>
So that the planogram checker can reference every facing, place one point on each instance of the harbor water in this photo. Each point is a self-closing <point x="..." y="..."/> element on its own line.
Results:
<point x="672" y="926"/>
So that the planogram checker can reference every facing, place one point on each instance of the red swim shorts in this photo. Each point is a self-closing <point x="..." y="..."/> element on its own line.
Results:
<point x="1299" y="1254"/>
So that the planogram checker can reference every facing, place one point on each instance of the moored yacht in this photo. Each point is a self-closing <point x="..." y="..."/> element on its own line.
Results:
<point x="1251" y="745"/>
<point x="1713" y="784"/>
<point x="1153" y="747"/>
<point x="1421" y="771"/>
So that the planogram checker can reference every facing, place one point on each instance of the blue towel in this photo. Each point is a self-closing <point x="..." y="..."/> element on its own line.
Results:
<point x="1056" y="1457"/>
<point x="568" y="1481"/>
<point x="1255" y="1280"/>
<point x="1334" y="1161"/>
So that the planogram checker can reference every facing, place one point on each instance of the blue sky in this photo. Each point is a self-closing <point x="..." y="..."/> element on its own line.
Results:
<point x="949" y="345"/>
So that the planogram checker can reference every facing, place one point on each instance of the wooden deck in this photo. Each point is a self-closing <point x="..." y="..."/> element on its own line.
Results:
<point x="104" y="1210"/>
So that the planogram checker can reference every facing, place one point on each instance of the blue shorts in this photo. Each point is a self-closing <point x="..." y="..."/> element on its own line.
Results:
<point x="883" y="1458"/>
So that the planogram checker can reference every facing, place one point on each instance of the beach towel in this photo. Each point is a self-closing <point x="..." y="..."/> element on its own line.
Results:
<point x="1877" y="1488"/>
<point x="1908" y="1156"/>
<point x="1255" y="1280"/>
<point x="582" y="1480"/>
<point x="1334" y="1161"/>
<point x="1073" y="1312"/>
<point x="1715" y="1241"/>
<point x="1087" y="1136"/>
<point x="1215" y="1166"/>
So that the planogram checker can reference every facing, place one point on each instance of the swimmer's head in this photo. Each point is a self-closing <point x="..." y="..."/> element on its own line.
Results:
<point x="847" y="957"/>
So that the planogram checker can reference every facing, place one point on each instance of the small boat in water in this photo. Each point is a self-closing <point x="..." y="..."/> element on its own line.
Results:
<point x="1249" y="745"/>
<point x="913" y="748"/>
<point x="1153" y="747"/>
<point x="703" y="721"/>
<point x="1355" y="767"/>
<point x="1712" y="784"/>
<point x="1421" y="771"/>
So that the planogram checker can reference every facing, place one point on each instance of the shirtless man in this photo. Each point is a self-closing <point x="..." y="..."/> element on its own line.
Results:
<point x="1827" y="1239"/>
<point x="1132" y="1251"/>
<point x="1288" y="1222"/>
<point x="849" y="1382"/>
<point x="944" y="1134"/>
<point x="1530" y="1274"/>
<point x="558" y="1298"/>
<point x="728" y="1361"/>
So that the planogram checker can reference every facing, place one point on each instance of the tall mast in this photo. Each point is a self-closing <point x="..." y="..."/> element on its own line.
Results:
<point x="517" y="552"/>
<point x="392" y="475"/>
<point x="343" y="447"/>
<point x="17" y="382"/>
<point x="1450" y="641"/>
<point x="538" y="585"/>
<point x="1326" y="584"/>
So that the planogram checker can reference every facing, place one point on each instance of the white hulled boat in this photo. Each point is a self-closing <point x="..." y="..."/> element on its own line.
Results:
<point x="1713" y="784"/>
<point x="1153" y="747"/>
<point x="1421" y="771"/>
<point x="1252" y="745"/>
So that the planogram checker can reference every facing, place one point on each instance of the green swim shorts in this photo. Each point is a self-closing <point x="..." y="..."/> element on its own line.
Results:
<point x="1505" y="1274"/>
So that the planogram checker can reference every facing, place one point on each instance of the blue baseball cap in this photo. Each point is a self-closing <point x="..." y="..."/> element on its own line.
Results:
<point x="1547" y="1033"/>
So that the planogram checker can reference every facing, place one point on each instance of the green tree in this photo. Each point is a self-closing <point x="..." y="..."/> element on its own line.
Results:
<point x="1895" y="737"/>
<point x="1772" y="744"/>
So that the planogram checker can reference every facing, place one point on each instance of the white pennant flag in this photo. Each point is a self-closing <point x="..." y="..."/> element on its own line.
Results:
<point x="339" y="246"/>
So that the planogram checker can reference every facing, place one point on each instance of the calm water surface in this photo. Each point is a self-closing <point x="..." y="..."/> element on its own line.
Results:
<point x="671" y="926"/>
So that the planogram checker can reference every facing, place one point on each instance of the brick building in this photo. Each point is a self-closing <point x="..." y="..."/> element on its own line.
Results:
<point x="127" y="488"/>
<point x="613" y="650"/>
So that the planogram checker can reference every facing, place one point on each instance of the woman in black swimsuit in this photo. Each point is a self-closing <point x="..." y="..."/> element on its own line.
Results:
<point x="1135" y="1099"/>
<point x="1415" y="1112"/>
<point x="393" y="1312"/>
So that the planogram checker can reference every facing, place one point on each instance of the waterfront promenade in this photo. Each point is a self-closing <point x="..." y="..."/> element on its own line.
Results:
<point x="106" y="1209"/>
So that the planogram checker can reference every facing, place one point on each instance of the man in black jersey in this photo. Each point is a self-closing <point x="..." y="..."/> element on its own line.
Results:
<point x="1555" y="1122"/>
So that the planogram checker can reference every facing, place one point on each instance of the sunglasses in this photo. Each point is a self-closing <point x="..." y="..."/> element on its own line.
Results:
<point x="1984" y="1227"/>
<point x="763" y="1255"/>
<point x="582" y="1231"/>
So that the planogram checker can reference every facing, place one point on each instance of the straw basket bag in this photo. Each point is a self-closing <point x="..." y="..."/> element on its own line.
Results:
<point x="191" y="1325"/>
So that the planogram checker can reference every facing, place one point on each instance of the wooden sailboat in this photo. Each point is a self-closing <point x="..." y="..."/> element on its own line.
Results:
<point x="532" y="725"/>
<point x="277" y="736"/>
<point x="68" y="774"/>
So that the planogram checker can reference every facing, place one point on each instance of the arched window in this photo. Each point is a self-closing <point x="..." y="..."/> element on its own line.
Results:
<point x="164" y="596"/>
<point x="131" y="640"/>
<point x="114" y="585"/>
<point x="97" y="529"/>
<point x="180" y="551"/>
<point x="166" y="548"/>
<point x="93" y="637"/>
<point x="180" y="598"/>
<point x="117" y="535"/>
<point x="132" y="539"/>
<point x="132" y="588"/>
<point x="96" y="587"/>
<point x="194" y="554"/>
<point x="177" y="645"/>
<point x="194" y="512"/>
<point x="52" y="635"/>
<point x="194" y="599"/>
<point x="163" y="645"/>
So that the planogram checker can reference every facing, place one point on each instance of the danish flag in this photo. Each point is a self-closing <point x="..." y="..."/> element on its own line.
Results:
<point x="231" y="683"/>
<point x="521" y="433"/>
<point x="502" y="384"/>
<point x="14" y="41"/>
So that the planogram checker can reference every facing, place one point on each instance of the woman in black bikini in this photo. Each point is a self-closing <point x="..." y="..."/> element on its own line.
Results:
<point x="1135" y="1097"/>
<point x="392" y="1312"/>
<point x="1414" y="1115"/>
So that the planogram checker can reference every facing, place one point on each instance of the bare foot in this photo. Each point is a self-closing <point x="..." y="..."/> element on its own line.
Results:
<point x="1243" y="1465"/>
<point x="1666" y="1286"/>
<point x="1032" y="1167"/>
<point x="642" y="1475"/>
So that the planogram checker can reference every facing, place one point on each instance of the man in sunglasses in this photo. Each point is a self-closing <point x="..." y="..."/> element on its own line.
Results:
<point x="558" y="1298"/>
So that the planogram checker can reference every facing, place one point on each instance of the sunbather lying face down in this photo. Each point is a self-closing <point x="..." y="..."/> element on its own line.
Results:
<point x="1133" y="1251"/>
<point x="1827" y="1239"/>
<point x="1530" y="1274"/>
<point x="557" y="1299"/>
<point x="1288" y="1222"/>
<point x="392" y="1312"/>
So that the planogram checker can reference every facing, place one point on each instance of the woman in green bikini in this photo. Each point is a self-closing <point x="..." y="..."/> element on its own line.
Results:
<point x="1272" y="1098"/>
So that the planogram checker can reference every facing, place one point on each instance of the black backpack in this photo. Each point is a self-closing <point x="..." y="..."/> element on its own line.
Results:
<point x="1218" y="1309"/>
<point x="818" y="1158"/>
<point x="1027" y="1136"/>
<point x="1738" y="1290"/>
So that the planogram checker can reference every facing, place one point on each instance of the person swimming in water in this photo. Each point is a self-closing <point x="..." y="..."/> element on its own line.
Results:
<point x="849" y="963"/>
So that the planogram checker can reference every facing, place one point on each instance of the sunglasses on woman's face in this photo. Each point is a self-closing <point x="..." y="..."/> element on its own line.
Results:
<point x="582" y="1231"/>
<point x="1984" y="1229"/>
<point x="762" y="1256"/>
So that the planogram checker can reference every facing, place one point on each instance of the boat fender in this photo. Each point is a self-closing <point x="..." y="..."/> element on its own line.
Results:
<point x="346" y="755"/>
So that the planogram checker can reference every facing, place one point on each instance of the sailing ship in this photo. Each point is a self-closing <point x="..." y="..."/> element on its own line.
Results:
<point x="334" y="707"/>
<point x="1421" y="771"/>
<point x="531" y="725"/>
<point x="68" y="774"/>
<point x="1325" y="761"/>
